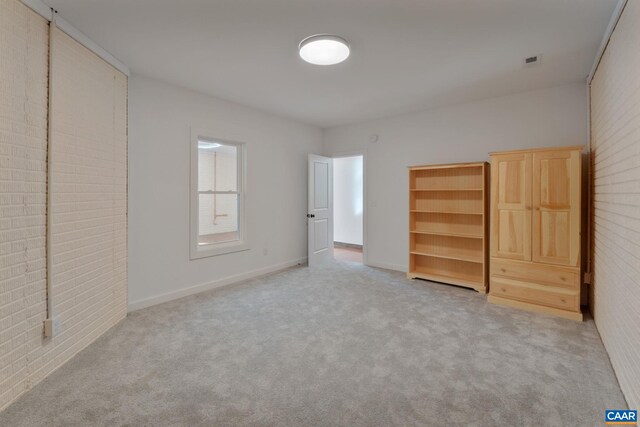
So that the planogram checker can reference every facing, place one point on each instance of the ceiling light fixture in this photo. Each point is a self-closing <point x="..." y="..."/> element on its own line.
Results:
<point x="324" y="49"/>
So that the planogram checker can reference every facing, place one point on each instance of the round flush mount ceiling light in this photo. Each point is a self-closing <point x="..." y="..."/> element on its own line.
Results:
<point x="324" y="49"/>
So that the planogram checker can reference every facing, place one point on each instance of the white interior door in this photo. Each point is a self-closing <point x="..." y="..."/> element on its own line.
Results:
<point x="320" y="209"/>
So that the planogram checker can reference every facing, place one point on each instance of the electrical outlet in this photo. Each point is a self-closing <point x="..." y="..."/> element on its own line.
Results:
<point x="52" y="327"/>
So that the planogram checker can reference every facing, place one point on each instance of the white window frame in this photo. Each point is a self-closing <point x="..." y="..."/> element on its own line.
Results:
<point x="197" y="251"/>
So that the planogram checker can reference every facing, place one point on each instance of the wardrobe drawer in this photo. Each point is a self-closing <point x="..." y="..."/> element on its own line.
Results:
<point x="537" y="294"/>
<point x="536" y="273"/>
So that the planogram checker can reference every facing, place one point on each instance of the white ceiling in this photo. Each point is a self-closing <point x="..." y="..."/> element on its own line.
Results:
<point x="407" y="55"/>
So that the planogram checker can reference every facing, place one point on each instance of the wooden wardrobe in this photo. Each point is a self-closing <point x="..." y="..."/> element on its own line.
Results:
<point x="535" y="230"/>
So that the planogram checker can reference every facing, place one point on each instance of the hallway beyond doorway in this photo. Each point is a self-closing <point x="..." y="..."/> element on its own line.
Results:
<point x="348" y="207"/>
<point x="347" y="253"/>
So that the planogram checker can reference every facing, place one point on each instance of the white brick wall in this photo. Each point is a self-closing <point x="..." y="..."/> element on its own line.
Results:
<point x="23" y="152"/>
<point x="89" y="198"/>
<point x="615" y="125"/>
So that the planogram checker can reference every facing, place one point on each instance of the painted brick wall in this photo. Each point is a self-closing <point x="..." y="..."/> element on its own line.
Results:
<point x="89" y="198"/>
<point x="615" y="126"/>
<point x="23" y="152"/>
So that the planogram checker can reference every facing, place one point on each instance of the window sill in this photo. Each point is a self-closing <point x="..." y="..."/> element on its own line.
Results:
<point x="205" y="251"/>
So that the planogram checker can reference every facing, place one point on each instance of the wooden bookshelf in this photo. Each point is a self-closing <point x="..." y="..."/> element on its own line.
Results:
<point x="448" y="224"/>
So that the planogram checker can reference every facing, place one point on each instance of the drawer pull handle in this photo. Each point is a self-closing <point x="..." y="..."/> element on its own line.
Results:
<point x="504" y="290"/>
<point x="503" y="270"/>
<point x="564" y="279"/>
<point x="563" y="300"/>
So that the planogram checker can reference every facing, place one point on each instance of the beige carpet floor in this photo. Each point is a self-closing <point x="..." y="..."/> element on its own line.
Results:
<point x="347" y="253"/>
<point x="340" y="345"/>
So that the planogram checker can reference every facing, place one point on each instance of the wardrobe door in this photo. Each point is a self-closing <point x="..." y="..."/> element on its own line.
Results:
<point x="556" y="203"/>
<point x="511" y="206"/>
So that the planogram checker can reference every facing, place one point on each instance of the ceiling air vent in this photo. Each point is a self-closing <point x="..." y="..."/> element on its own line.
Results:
<point x="531" y="60"/>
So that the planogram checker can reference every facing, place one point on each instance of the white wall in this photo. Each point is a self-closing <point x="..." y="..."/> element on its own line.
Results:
<point x="159" y="141"/>
<point x="462" y="133"/>
<point x="347" y="200"/>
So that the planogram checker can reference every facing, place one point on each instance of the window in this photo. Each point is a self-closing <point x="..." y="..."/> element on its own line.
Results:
<point x="217" y="196"/>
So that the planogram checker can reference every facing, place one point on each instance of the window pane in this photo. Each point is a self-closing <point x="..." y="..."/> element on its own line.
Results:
<point x="218" y="218"/>
<point x="217" y="166"/>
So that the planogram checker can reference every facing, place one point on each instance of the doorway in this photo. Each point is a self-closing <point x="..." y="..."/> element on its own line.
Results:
<point x="348" y="208"/>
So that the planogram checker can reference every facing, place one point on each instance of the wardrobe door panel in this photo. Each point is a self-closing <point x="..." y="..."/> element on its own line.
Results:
<point x="556" y="203"/>
<point x="511" y="206"/>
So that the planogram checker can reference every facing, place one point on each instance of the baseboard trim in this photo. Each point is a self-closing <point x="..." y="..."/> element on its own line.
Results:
<point x="387" y="266"/>
<point x="220" y="283"/>
<point x="346" y="245"/>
